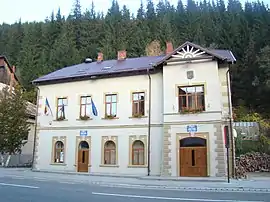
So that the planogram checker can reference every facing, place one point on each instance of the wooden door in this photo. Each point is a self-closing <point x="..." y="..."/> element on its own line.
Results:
<point x="83" y="160"/>
<point x="193" y="161"/>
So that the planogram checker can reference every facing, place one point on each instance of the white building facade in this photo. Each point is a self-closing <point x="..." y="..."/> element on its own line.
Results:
<point x="188" y="94"/>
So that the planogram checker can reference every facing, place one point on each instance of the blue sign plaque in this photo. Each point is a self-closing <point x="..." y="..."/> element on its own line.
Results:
<point x="83" y="133"/>
<point x="191" y="128"/>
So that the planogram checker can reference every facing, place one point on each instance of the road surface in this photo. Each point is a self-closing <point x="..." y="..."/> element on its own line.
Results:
<point x="34" y="190"/>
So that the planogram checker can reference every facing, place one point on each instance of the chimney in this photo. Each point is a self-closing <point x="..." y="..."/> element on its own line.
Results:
<point x="169" y="47"/>
<point x="100" y="57"/>
<point x="122" y="55"/>
<point x="14" y="69"/>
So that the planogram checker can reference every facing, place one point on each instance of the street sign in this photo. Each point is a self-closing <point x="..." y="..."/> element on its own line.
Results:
<point x="83" y="133"/>
<point x="191" y="128"/>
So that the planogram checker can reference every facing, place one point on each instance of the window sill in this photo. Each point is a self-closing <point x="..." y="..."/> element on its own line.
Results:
<point x="75" y="165"/>
<point x="108" y="165"/>
<point x="134" y="117"/>
<point x="84" y="119"/>
<point x="104" y="118"/>
<point x="137" y="166"/>
<point x="58" y="164"/>
<point x="195" y="112"/>
<point x="60" y="120"/>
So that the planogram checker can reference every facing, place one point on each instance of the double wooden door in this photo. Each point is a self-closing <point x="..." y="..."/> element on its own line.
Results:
<point x="193" y="161"/>
<point x="83" y="160"/>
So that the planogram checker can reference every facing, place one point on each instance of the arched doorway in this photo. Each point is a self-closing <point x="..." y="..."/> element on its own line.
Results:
<point x="83" y="156"/>
<point x="193" y="157"/>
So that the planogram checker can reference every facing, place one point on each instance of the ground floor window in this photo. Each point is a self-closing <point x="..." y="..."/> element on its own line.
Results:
<point x="59" y="152"/>
<point x="138" y="153"/>
<point x="109" y="153"/>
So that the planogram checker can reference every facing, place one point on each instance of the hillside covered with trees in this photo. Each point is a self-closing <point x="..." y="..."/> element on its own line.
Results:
<point x="37" y="48"/>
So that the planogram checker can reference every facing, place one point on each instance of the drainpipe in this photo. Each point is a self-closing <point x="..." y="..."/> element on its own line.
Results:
<point x="35" y="132"/>
<point x="230" y="117"/>
<point x="149" y="123"/>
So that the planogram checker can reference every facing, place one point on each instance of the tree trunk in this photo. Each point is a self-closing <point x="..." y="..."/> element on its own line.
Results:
<point x="2" y="160"/>
<point x="8" y="159"/>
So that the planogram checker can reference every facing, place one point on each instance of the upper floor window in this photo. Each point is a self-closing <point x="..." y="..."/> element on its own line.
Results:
<point x="138" y="100"/>
<point x="61" y="108"/>
<point x="191" y="98"/>
<point x="110" y="105"/>
<point x="85" y="106"/>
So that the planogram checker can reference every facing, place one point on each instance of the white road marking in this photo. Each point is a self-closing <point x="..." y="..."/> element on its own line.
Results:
<point x="63" y="182"/>
<point x="168" y="198"/>
<point x="19" y="185"/>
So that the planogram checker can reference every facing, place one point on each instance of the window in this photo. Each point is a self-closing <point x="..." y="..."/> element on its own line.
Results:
<point x="138" y="104"/>
<point x="61" y="108"/>
<point x="85" y="107"/>
<point x="109" y="153"/>
<point x="111" y="105"/>
<point x="59" y="152"/>
<point x="191" y="98"/>
<point x="138" y="153"/>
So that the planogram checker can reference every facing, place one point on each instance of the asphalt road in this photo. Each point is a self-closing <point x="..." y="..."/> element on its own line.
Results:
<point x="31" y="190"/>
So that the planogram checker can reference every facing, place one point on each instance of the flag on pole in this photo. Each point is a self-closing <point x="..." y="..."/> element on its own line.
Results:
<point x="94" y="109"/>
<point x="47" y="109"/>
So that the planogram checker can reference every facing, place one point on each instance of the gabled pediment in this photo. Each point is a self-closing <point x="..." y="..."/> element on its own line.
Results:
<point x="189" y="51"/>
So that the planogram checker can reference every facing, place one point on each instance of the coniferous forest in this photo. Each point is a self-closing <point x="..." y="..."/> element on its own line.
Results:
<point x="37" y="48"/>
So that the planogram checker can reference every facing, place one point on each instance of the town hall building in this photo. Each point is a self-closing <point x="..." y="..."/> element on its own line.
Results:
<point x="153" y="115"/>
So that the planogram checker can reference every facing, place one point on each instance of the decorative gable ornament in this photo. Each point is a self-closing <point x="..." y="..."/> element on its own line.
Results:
<point x="188" y="52"/>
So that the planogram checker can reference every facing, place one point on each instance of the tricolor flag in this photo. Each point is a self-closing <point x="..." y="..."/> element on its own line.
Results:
<point x="94" y="109"/>
<point x="47" y="109"/>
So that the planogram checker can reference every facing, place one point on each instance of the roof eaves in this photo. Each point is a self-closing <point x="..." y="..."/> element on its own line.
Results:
<point x="64" y="78"/>
<point x="233" y="56"/>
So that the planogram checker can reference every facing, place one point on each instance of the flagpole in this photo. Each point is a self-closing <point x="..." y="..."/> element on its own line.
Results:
<point x="149" y="123"/>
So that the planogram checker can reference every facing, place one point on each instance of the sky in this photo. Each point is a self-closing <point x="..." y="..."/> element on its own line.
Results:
<point x="38" y="10"/>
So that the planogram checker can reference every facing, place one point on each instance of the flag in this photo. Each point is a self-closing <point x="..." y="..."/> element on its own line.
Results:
<point x="94" y="109"/>
<point x="47" y="108"/>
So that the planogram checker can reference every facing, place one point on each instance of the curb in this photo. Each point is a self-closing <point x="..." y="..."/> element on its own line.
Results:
<point x="85" y="174"/>
<point x="223" y="189"/>
<point x="132" y="176"/>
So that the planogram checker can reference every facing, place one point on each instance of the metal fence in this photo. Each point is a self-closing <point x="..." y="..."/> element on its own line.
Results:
<point x="247" y="130"/>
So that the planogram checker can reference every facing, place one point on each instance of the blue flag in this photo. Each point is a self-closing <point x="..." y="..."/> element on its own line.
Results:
<point x="94" y="109"/>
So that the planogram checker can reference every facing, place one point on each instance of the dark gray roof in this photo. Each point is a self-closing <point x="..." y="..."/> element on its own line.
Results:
<point x="128" y="65"/>
<point x="100" y="68"/>
<point x="225" y="54"/>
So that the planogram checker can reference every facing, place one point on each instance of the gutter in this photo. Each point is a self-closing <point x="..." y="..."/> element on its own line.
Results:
<point x="149" y="123"/>
<point x="35" y="132"/>
<point x="230" y="118"/>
